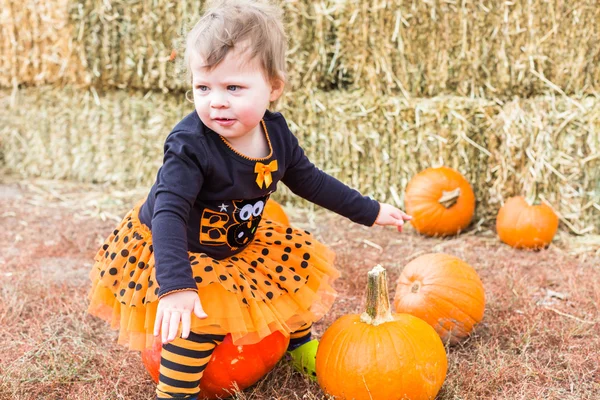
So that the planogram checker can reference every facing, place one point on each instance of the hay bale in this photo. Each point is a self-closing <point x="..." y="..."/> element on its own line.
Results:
<point x="414" y="48"/>
<point x="468" y="48"/>
<point x="551" y="148"/>
<point x="374" y="143"/>
<point x="113" y="138"/>
<point x="37" y="44"/>
<point x="129" y="44"/>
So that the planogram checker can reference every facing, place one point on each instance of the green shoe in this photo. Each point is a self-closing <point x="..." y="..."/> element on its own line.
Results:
<point x="304" y="357"/>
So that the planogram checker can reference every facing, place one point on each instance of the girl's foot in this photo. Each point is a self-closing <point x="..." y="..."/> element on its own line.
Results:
<point x="303" y="358"/>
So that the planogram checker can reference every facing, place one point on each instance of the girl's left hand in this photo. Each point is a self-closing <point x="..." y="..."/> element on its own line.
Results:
<point x="390" y="215"/>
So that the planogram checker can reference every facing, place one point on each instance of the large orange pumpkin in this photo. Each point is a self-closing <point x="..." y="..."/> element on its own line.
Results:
<point x="230" y="366"/>
<point x="275" y="212"/>
<point x="379" y="355"/>
<point x="440" y="200"/>
<point x="444" y="291"/>
<point x="522" y="225"/>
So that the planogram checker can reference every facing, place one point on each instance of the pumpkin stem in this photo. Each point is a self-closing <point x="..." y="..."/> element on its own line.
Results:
<point x="378" y="301"/>
<point x="449" y="199"/>
<point x="533" y="199"/>
<point x="415" y="287"/>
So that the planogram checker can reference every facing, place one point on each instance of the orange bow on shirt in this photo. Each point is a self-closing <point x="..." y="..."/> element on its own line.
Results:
<point x="264" y="173"/>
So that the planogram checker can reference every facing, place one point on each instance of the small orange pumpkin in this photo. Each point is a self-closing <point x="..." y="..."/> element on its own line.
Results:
<point x="379" y="355"/>
<point x="274" y="212"/>
<point x="444" y="291"/>
<point x="230" y="366"/>
<point x="440" y="200"/>
<point x="522" y="225"/>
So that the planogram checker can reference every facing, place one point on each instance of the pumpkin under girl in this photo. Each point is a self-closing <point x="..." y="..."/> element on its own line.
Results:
<point x="194" y="260"/>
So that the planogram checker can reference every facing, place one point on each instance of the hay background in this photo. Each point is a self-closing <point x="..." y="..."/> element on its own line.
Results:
<point x="417" y="48"/>
<point x="546" y="145"/>
<point x="470" y="48"/>
<point x="38" y="44"/>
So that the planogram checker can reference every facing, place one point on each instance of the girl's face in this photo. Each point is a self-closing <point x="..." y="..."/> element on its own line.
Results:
<point x="231" y="99"/>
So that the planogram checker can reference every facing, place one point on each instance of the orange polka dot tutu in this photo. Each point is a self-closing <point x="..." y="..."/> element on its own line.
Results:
<point x="279" y="282"/>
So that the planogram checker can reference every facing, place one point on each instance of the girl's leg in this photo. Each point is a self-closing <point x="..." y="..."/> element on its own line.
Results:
<point x="182" y="364"/>
<point x="303" y="351"/>
<point x="300" y="336"/>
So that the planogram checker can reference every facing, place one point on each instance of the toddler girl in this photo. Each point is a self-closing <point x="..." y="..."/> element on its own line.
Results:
<point x="195" y="260"/>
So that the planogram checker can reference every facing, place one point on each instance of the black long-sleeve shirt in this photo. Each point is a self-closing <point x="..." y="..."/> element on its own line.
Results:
<point x="206" y="197"/>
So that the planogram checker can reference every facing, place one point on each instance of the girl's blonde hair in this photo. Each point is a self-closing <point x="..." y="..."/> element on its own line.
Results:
<point x="226" y="23"/>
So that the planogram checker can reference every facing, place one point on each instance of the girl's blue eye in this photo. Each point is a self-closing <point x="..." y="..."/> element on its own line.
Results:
<point x="202" y="88"/>
<point x="233" y="88"/>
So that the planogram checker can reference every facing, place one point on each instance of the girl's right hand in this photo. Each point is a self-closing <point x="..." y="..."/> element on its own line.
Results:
<point x="176" y="307"/>
<point x="390" y="215"/>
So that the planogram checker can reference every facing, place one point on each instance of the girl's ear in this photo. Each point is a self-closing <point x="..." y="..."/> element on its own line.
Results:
<point x="277" y="86"/>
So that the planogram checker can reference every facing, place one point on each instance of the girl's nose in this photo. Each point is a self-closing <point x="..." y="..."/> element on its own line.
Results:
<point x="218" y="101"/>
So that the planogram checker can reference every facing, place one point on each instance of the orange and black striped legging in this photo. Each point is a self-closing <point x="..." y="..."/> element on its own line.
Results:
<point x="183" y="361"/>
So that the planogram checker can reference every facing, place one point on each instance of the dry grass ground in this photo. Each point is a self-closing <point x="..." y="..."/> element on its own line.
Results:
<point x="539" y="338"/>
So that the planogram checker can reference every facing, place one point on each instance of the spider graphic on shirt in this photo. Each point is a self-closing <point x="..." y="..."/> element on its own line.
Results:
<point x="235" y="229"/>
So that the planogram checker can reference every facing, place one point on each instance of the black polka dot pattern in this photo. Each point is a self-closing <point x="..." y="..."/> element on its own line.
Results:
<point x="279" y="262"/>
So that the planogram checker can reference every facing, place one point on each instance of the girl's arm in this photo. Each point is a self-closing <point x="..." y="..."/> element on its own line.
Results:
<point x="311" y="183"/>
<point x="178" y="183"/>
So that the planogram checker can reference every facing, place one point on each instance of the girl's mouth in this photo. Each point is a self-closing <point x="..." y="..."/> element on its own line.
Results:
<point x="224" y="121"/>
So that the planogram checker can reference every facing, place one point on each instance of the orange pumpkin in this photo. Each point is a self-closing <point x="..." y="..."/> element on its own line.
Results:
<point x="230" y="366"/>
<point x="379" y="355"/>
<point x="274" y="212"/>
<point x="444" y="291"/>
<point x="440" y="200"/>
<point x="522" y="225"/>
